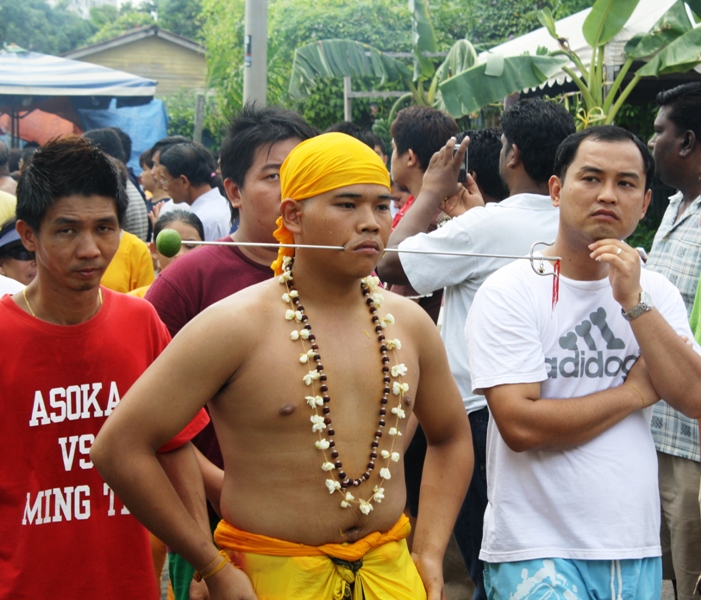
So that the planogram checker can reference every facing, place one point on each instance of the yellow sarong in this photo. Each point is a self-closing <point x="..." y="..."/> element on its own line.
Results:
<point x="376" y="567"/>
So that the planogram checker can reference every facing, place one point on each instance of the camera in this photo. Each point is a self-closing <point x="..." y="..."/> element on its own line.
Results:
<point x="462" y="176"/>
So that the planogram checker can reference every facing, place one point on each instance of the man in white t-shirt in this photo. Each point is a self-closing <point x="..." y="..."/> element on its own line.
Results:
<point x="572" y="472"/>
<point x="532" y="131"/>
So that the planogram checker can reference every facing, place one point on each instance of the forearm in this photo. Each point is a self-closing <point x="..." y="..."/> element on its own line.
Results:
<point x="137" y="477"/>
<point x="213" y="478"/>
<point x="416" y="220"/>
<point x="559" y="424"/>
<point x="674" y="367"/>
<point x="446" y="476"/>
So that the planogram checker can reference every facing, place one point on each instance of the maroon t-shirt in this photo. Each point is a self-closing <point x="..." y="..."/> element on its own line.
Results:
<point x="191" y="284"/>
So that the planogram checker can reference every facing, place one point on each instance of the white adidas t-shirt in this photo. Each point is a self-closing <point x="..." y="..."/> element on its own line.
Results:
<point x="597" y="501"/>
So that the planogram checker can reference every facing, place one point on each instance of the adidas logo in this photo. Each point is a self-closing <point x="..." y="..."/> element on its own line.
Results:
<point x="586" y="359"/>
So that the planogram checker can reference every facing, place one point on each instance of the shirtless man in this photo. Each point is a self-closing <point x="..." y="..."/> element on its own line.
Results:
<point x="295" y="445"/>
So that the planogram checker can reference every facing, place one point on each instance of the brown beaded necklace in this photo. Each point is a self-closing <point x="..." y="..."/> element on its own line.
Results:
<point x="322" y="422"/>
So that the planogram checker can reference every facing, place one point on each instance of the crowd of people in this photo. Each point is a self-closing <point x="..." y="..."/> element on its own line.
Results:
<point x="286" y="421"/>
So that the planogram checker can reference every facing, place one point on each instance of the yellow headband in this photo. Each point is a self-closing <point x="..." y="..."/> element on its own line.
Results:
<point x="321" y="164"/>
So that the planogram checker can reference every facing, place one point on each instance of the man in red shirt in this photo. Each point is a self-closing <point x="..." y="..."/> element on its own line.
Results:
<point x="72" y="350"/>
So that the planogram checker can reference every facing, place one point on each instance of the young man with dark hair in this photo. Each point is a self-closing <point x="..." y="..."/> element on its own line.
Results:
<point x="573" y="499"/>
<point x="313" y="494"/>
<point x="73" y="351"/>
<point x="676" y="254"/>
<point x="256" y="145"/>
<point x="508" y="227"/>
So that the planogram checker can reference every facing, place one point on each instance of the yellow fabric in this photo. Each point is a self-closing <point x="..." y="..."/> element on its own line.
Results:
<point x="139" y="292"/>
<point x="321" y="164"/>
<point x="131" y="267"/>
<point x="379" y="566"/>
<point x="8" y="205"/>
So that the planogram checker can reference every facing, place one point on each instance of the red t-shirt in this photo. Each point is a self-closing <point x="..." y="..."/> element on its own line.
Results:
<point x="63" y="532"/>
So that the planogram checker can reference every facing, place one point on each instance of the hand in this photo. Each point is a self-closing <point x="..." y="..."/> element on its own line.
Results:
<point x="155" y="212"/>
<point x="639" y="378"/>
<point x="230" y="584"/>
<point x="431" y="573"/>
<point x="468" y="197"/>
<point x="624" y="270"/>
<point x="441" y="177"/>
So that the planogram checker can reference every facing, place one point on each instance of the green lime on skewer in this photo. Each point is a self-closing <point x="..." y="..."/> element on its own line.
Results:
<point x="168" y="242"/>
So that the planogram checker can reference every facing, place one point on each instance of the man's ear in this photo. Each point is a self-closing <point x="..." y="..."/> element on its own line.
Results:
<point x="555" y="186"/>
<point x="233" y="192"/>
<point x="646" y="203"/>
<point x="27" y="235"/>
<point x="412" y="160"/>
<point x="291" y="212"/>
<point x="514" y="158"/>
<point x="688" y="143"/>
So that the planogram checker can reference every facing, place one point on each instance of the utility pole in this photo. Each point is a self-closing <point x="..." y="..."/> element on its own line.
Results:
<point x="255" y="66"/>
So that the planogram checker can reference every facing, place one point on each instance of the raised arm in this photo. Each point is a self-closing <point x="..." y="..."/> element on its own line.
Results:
<point x="440" y="181"/>
<point x="449" y="457"/>
<point x="674" y="367"/>
<point x="182" y="380"/>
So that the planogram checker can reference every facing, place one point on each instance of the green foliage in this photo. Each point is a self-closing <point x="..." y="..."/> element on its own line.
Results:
<point x="34" y="25"/>
<point x="181" y="117"/>
<point x="123" y="23"/>
<point x="183" y="17"/>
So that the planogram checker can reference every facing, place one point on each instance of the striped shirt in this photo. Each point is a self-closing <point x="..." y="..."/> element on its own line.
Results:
<point x="676" y="254"/>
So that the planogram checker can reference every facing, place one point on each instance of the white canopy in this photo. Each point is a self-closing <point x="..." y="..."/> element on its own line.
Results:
<point x="34" y="74"/>
<point x="646" y="14"/>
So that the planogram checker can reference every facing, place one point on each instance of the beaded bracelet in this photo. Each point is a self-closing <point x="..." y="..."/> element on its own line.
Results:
<point x="209" y="571"/>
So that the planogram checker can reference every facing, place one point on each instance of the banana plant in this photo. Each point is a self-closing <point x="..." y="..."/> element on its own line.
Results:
<point x="671" y="46"/>
<point x="341" y="58"/>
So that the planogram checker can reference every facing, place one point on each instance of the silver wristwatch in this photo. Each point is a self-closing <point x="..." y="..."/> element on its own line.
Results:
<point x="643" y="306"/>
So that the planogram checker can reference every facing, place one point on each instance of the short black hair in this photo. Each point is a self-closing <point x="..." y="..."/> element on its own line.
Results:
<point x="353" y="130"/>
<point x="125" y="141"/>
<point x="178" y="214"/>
<point x="190" y="159"/>
<point x="254" y="127"/>
<point x="567" y="151"/>
<point x="163" y="143"/>
<point x="424" y="130"/>
<point x="537" y="127"/>
<point x="146" y="159"/>
<point x="684" y="104"/>
<point x="106" y="140"/>
<point x="4" y="154"/>
<point x="485" y="147"/>
<point x="378" y="141"/>
<point x="65" y="167"/>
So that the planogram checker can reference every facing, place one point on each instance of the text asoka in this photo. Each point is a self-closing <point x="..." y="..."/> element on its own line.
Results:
<point x="74" y="402"/>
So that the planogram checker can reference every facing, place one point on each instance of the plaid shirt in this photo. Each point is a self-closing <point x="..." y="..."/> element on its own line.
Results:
<point x="676" y="254"/>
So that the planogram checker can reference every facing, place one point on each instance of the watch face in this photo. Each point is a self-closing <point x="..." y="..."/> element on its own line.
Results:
<point x="646" y="299"/>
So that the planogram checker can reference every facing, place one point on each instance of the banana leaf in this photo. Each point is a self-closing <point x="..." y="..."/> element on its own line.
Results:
<point x="606" y="19"/>
<point x="695" y="5"/>
<point x="461" y="57"/>
<point x="423" y="39"/>
<point x="682" y="55"/>
<point x="674" y="23"/>
<point x="548" y="21"/>
<point x="340" y="58"/>
<point x="470" y="90"/>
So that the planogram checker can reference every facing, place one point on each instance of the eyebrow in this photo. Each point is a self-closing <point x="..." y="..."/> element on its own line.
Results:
<point x="72" y="221"/>
<point x="598" y="171"/>
<point x="352" y="195"/>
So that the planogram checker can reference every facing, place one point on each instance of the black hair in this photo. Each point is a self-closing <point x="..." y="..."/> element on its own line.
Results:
<point x="64" y="167"/>
<point x="190" y="159"/>
<point x="4" y="154"/>
<point x="162" y="144"/>
<point x="27" y="153"/>
<point x="485" y="147"/>
<point x="684" y="104"/>
<point x="254" y="127"/>
<point x="567" y="151"/>
<point x="107" y="141"/>
<point x="125" y="140"/>
<point x="146" y="159"/>
<point x="537" y="127"/>
<point x="422" y="129"/>
<point x="178" y="214"/>
<point x="353" y="130"/>
<point x="378" y="141"/>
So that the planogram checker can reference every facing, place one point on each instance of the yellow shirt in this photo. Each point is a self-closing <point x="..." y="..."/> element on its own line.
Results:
<point x="8" y="204"/>
<point x="131" y="267"/>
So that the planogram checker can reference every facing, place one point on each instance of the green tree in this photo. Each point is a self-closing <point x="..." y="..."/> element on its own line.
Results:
<point x="111" y="23"/>
<point x="183" y="17"/>
<point x="35" y="25"/>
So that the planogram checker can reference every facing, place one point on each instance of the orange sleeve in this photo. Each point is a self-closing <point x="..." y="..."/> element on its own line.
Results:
<point x="197" y="424"/>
